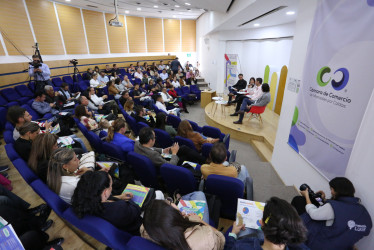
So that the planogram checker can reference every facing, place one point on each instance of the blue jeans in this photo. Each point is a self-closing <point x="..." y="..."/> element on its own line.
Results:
<point x="232" y="91"/>
<point x="246" y="102"/>
<point x="199" y="196"/>
<point x="148" y="103"/>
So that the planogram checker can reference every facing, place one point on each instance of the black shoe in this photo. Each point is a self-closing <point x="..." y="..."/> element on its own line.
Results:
<point x="38" y="209"/>
<point x="238" y="122"/>
<point x="186" y="111"/>
<point x="240" y="112"/>
<point x="44" y="214"/>
<point x="56" y="242"/>
<point x="235" y="114"/>
<point x="46" y="225"/>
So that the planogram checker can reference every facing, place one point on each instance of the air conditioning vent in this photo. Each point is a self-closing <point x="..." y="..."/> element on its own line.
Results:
<point x="263" y="15"/>
<point x="91" y="6"/>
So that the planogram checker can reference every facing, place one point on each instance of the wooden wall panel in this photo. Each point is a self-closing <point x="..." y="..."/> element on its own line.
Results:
<point x="154" y="35"/>
<point x="95" y="30"/>
<point x="15" y="24"/>
<point x="172" y="35"/>
<point x="188" y="35"/>
<point x="44" y="22"/>
<point x="117" y="35"/>
<point x="59" y="67"/>
<point x="72" y="29"/>
<point x="135" y="31"/>
<point x="2" y="52"/>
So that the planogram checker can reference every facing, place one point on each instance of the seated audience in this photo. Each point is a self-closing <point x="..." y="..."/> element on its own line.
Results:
<point x="161" y="106"/>
<point x="93" y="196"/>
<point x="126" y="82"/>
<point x="138" y="74"/>
<point x="281" y="228"/>
<point x="338" y="224"/>
<point x="116" y="135"/>
<point x="64" y="173"/>
<point x="145" y="146"/>
<point x="129" y="107"/>
<point x="94" y="83"/>
<point x="112" y="89"/>
<point x="164" y="75"/>
<point x="175" y="82"/>
<point x="141" y="115"/>
<point x="191" y="80"/>
<point x="141" y="95"/>
<point x="29" y="226"/>
<point x="185" y="130"/>
<point x="98" y="104"/>
<point x="41" y="151"/>
<point x="28" y="132"/>
<point x="102" y="78"/>
<point x="124" y="97"/>
<point x="18" y="116"/>
<point x="161" y="119"/>
<point x="165" y="96"/>
<point x="262" y="101"/>
<point x="85" y="117"/>
<point x="41" y="106"/>
<point x="241" y="84"/>
<point x="145" y="79"/>
<point x="252" y="93"/>
<point x="107" y="70"/>
<point x="65" y="94"/>
<point x="159" y="84"/>
<point x="120" y="86"/>
<point x="165" y="225"/>
<point x="131" y="70"/>
<point x="161" y="66"/>
<point x="115" y="69"/>
<point x="97" y="69"/>
<point x="182" y="102"/>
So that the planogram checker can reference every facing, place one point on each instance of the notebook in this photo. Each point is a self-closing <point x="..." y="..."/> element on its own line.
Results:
<point x="249" y="213"/>
<point x="139" y="192"/>
<point x="193" y="206"/>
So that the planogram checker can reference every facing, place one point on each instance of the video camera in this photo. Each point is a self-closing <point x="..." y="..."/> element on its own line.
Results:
<point x="317" y="197"/>
<point x="74" y="62"/>
<point x="35" y="64"/>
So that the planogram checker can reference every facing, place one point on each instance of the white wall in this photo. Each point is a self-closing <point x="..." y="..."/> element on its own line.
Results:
<point x="293" y="169"/>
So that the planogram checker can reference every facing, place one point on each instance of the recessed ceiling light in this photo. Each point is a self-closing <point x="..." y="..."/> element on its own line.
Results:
<point x="177" y="6"/>
<point x="180" y="13"/>
<point x="256" y="24"/>
<point x="67" y="0"/>
<point x="155" y="6"/>
<point x="127" y="12"/>
<point x="290" y="12"/>
<point x="187" y="4"/>
<point x="138" y="8"/>
<point x="174" y="16"/>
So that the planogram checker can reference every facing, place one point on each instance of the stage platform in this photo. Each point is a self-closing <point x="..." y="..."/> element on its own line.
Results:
<point x="262" y="138"/>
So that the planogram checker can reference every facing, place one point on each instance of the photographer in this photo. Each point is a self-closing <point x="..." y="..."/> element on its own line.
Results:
<point x="40" y="72"/>
<point x="340" y="222"/>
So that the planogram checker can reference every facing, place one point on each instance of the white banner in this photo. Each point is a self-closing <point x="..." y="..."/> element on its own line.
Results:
<point x="336" y="84"/>
<point x="231" y="67"/>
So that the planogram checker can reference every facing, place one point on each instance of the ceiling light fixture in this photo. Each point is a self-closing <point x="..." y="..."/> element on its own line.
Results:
<point x="138" y="8"/>
<point x="155" y="6"/>
<point x="127" y="12"/>
<point x="180" y="13"/>
<point x="67" y="0"/>
<point x="187" y="4"/>
<point x="177" y="6"/>
<point x="290" y="13"/>
<point x="174" y="16"/>
<point x="256" y="24"/>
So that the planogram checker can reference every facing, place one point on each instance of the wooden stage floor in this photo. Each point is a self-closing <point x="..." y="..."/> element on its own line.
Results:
<point x="262" y="138"/>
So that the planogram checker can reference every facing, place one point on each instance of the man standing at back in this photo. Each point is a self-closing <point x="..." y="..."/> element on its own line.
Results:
<point x="174" y="65"/>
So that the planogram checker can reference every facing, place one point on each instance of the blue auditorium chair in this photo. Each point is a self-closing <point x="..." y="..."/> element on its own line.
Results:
<point x="184" y="141"/>
<point x="3" y="113"/>
<point x="207" y="147"/>
<point x="11" y="152"/>
<point x="27" y="174"/>
<point x="141" y="125"/>
<point x="52" y="199"/>
<point x="24" y="91"/>
<point x="132" y="123"/>
<point x="163" y="139"/>
<point x="114" y="151"/>
<point x="95" y="142"/>
<point x="174" y="121"/>
<point x="139" y="243"/>
<point x="6" y="104"/>
<point x="157" y="110"/>
<point x="178" y="178"/>
<point x="82" y="86"/>
<point x="8" y="136"/>
<point x="195" y="90"/>
<point x="195" y="127"/>
<point x="77" y="78"/>
<point x="11" y="95"/>
<point x="35" y="115"/>
<point x="31" y="86"/>
<point x="144" y="169"/>
<point x="57" y="82"/>
<point x="212" y="132"/>
<point x="228" y="189"/>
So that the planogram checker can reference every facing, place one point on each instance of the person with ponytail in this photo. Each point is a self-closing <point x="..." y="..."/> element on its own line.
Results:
<point x="116" y="135"/>
<point x="93" y="196"/>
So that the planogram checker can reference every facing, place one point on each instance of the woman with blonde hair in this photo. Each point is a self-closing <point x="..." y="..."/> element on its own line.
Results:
<point x="185" y="130"/>
<point x="129" y="107"/>
<point x="116" y="135"/>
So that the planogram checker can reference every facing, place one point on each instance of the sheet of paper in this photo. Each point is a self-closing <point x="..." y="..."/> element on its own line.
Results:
<point x="9" y="239"/>
<point x="251" y="212"/>
<point x="193" y="206"/>
<point x="192" y="164"/>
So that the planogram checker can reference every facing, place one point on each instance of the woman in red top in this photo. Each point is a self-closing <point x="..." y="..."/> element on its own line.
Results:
<point x="181" y="101"/>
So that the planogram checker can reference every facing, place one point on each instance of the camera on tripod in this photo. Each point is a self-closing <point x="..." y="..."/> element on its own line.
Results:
<point x="74" y="62"/>
<point x="35" y="64"/>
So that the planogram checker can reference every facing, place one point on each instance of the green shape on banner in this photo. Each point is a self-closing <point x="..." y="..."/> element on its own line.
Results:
<point x="320" y="74"/>
<point x="295" y="116"/>
<point x="266" y="74"/>
<point x="188" y="54"/>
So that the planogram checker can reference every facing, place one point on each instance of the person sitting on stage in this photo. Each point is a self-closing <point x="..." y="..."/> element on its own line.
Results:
<point x="142" y="116"/>
<point x="185" y="130"/>
<point x="241" y="84"/>
<point x="340" y="222"/>
<point x="251" y="92"/>
<point x="281" y="228"/>
<point x="260" y="102"/>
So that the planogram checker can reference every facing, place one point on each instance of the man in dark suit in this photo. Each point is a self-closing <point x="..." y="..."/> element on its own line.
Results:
<point x="174" y="65"/>
<point x="241" y="84"/>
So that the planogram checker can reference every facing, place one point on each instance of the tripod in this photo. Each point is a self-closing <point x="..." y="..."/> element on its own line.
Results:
<point x="76" y="71"/>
